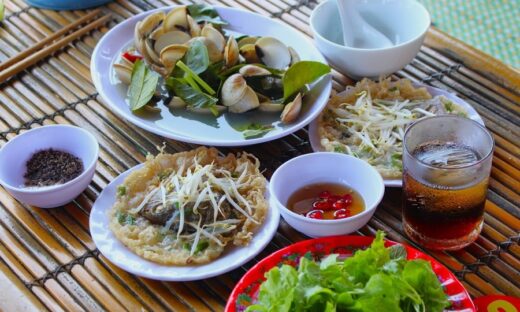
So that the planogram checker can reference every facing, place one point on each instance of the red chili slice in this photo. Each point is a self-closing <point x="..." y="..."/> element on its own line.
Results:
<point x="341" y="214"/>
<point x="339" y="204"/>
<point x="322" y="205"/>
<point x="315" y="214"/>
<point x="132" y="57"/>
<point x="347" y="198"/>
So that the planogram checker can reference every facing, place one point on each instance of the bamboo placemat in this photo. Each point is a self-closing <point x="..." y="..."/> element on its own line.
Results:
<point x="47" y="257"/>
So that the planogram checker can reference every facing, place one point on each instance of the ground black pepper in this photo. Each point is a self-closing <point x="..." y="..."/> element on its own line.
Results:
<point x="50" y="167"/>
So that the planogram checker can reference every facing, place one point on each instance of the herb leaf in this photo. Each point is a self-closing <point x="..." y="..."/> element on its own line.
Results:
<point x="205" y="13"/>
<point x="300" y="74"/>
<point x="254" y="130"/>
<point x="191" y="96"/>
<point x="124" y="218"/>
<point x="143" y="85"/>
<point x="196" y="57"/>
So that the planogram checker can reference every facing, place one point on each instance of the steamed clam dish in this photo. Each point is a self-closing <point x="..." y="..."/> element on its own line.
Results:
<point x="187" y="59"/>
<point x="185" y="208"/>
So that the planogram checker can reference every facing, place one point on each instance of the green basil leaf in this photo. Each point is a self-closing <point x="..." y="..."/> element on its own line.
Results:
<point x="300" y="74"/>
<point x="191" y="96"/>
<point x="196" y="57"/>
<point x="205" y="13"/>
<point x="142" y="86"/>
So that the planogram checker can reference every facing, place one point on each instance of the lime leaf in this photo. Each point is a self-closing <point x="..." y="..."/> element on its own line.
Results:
<point x="142" y="86"/>
<point x="300" y="74"/>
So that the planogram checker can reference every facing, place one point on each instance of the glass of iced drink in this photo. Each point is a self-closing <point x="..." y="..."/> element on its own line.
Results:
<point x="446" y="166"/>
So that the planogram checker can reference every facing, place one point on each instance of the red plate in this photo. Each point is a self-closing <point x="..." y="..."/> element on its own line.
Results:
<point x="246" y="290"/>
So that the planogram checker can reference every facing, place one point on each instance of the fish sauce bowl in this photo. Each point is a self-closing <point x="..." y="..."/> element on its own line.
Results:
<point x="330" y="168"/>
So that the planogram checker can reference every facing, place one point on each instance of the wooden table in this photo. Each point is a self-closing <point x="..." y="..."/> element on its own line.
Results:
<point x="47" y="257"/>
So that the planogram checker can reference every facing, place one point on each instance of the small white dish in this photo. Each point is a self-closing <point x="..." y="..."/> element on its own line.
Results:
<point x="326" y="167"/>
<point x="208" y="130"/>
<point x="314" y="136"/>
<point x="120" y="255"/>
<point x="15" y="154"/>
<point x="405" y="22"/>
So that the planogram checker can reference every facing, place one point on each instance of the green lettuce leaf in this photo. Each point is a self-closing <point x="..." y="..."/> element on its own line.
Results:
<point x="277" y="292"/>
<point x="419" y="274"/>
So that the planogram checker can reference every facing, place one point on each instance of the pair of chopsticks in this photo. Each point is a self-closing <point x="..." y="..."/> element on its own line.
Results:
<point x="49" y="45"/>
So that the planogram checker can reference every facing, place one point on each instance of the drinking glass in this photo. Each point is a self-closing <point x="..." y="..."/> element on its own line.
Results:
<point x="446" y="167"/>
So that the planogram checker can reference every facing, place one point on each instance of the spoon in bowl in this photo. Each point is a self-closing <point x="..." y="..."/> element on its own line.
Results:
<point x="357" y="33"/>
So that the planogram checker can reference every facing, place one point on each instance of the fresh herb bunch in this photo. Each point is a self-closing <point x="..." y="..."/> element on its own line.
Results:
<point x="374" y="279"/>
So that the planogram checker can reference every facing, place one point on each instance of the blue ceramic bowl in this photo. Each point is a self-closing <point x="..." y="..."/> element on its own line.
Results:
<point x="66" y="4"/>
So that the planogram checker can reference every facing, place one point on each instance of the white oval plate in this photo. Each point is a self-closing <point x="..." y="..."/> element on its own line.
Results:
<point x="120" y="255"/>
<point x="314" y="137"/>
<point x="188" y="130"/>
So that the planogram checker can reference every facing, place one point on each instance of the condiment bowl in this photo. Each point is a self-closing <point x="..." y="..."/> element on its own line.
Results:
<point x="404" y="22"/>
<point x="332" y="168"/>
<point x="15" y="154"/>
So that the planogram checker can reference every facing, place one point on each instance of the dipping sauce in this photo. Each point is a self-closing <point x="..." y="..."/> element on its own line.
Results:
<point x="51" y="167"/>
<point x="326" y="201"/>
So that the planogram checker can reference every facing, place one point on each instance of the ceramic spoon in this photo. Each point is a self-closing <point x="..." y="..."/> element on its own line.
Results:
<point x="357" y="33"/>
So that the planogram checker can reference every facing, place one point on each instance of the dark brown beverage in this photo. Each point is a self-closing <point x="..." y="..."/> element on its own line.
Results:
<point x="444" y="208"/>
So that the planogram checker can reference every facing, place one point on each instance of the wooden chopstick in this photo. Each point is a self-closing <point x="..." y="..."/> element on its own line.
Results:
<point x="34" y="58"/>
<point x="25" y="53"/>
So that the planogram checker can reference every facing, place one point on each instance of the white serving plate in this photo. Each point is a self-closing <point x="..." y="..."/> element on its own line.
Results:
<point x="314" y="137"/>
<point x="117" y="253"/>
<point x="205" y="132"/>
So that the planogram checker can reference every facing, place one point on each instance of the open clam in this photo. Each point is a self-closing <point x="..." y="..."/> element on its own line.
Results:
<point x="295" y="58"/>
<point x="247" y="40"/>
<point x="233" y="89"/>
<point x="124" y="73"/>
<point x="176" y="19"/>
<point x="292" y="110"/>
<point x="248" y="51"/>
<point x="171" y="37"/>
<point x="272" y="52"/>
<point x="231" y="53"/>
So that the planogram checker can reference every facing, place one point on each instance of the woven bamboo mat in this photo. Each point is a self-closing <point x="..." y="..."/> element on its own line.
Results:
<point x="47" y="257"/>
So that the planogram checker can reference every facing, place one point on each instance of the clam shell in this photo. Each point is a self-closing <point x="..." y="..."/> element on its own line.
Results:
<point x="193" y="27"/>
<point x="273" y="53"/>
<point x="248" y="102"/>
<point x="233" y="89"/>
<point x="177" y="102"/>
<point x="231" y="53"/>
<point x="169" y="38"/>
<point x="253" y="70"/>
<point x="248" y="51"/>
<point x="246" y="40"/>
<point x="124" y="73"/>
<point x="176" y="19"/>
<point x="171" y="54"/>
<point x="149" y="23"/>
<point x="270" y="107"/>
<point x="214" y="36"/>
<point x="213" y="53"/>
<point x="295" y="58"/>
<point x="292" y="110"/>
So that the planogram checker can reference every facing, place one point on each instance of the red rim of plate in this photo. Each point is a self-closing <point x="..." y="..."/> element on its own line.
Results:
<point x="249" y="283"/>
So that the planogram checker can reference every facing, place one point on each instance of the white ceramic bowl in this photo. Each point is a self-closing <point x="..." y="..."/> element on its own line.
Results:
<point x="326" y="167"/>
<point x="15" y="154"/>
<point x="405" y="22"/>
